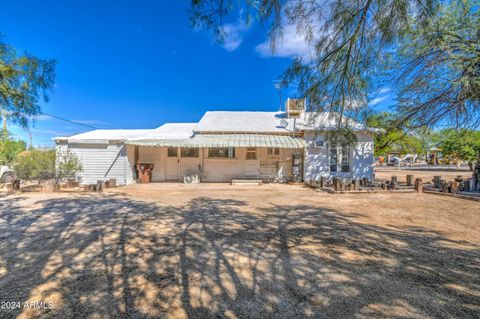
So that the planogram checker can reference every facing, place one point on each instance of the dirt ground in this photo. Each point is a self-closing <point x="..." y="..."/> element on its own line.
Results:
<point x="426" y="174"/>
<point x="221" y="251"/>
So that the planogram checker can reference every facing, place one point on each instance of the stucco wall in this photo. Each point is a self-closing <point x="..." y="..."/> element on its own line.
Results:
<point x="317" y="158"/>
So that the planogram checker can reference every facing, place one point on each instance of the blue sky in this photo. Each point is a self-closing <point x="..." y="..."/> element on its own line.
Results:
<point x="139" y="64"/>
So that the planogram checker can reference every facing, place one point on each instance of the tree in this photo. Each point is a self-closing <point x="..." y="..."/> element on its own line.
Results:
<point x="42" y="165"/>
<point x="68" y="165"/>
<point x="439" y="64"/>
<point x="393" y="139"/>
<point x="25" y="81"/>
<point x="461" y="144"/>
<point x="347" y="37"/>
<point x="10" y="148"/>
<point x="36" y="165"/>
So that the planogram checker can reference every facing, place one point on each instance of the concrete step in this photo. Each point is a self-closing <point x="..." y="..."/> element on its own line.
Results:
<point x="248" y="182"/>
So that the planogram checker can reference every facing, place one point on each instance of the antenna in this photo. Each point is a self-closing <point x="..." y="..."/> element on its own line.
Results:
<point x="278" y="87"/>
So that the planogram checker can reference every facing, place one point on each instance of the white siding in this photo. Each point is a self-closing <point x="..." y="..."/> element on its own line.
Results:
<point x="101" y="162"/>
<point x="317" y="159"/>
<point x="363" y="157"/>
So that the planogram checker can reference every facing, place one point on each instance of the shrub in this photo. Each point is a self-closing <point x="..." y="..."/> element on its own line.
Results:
<point x="9" y="149"/>
<point x="36" y="165"/>
<point x="68" y="165"/>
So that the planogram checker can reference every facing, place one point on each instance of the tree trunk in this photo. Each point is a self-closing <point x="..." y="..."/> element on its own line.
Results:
<point x="470" y="166"/>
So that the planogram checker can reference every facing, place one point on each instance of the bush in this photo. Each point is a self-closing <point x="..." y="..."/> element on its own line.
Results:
<point x="9" y="149"/>
<point x="44" y="165"/>
<point x="68" y="165"/>
<point x="36" y="165"/>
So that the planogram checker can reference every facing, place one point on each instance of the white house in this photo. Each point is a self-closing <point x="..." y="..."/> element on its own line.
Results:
<point x="271" y="146"/>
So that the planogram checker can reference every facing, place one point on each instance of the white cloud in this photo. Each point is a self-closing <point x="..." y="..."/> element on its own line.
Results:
<point x="378" y="100"/>
<point x="292" y="44"/>
<point x="384" y="90"/>
<point x="234" y="34"/>
<point x="42" y="117"/>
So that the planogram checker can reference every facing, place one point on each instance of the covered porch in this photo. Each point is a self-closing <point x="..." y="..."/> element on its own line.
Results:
<point x="219" y="157"/>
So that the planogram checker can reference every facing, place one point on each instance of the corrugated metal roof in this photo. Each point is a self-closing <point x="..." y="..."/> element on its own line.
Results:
<point x="227" y="140"/>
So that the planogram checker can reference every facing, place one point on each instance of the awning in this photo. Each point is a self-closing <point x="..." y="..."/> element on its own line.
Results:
<point x="227" y="140"/>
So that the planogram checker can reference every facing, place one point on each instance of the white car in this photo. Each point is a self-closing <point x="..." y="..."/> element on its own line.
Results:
<point x="7" y="175"/>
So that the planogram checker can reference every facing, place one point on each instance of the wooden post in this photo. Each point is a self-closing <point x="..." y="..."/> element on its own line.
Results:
<point x="444" y="185"/>
<point x="365" y="182"/>
<point x="51" y="186"/>
<point x="409" y="180"/>
<point x="436" y="181"/>
<point x="100" y="186"/>
<point x="453" y="187"/>
<point x="322" y="181"/>
<point x="336" y="184"/>
<point x="418" y="185"/>
<point x="357" y="184"/>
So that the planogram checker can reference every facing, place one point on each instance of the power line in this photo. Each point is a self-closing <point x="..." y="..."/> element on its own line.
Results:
<point x="63" y="119"/>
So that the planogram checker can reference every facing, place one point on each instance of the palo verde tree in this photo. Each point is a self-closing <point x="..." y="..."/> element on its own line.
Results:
<point x="25" y="81"/>
<point x="461" y="145"/>
<point x="347" y="37"/>
<point x="439" y="64"/>
<point x="10" y="148"/>
<point x="393" y="138"/>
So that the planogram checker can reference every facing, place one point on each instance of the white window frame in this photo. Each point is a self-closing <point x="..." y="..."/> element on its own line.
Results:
<point x="342" y="160"/>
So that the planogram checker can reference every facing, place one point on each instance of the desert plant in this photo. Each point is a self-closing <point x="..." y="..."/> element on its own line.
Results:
<point x="36" y="165"/>
<point x="68" y="165"/>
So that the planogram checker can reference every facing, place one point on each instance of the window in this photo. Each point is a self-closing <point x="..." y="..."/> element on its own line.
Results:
<point x="251" y="154"/>
<point x="172" y="152"/>
<point x="221" y="152"/>
<point x="340" y="154"/>
<point x="273" y="151"/>
<point x="345" y="159"/>
<point x="189" y="152"/>
<point x="333" y="158"/>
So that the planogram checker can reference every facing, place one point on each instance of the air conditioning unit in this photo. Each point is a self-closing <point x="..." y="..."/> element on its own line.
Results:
<point x="295" y="107"/>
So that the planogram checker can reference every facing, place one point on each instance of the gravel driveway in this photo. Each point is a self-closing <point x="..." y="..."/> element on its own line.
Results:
<point x="216" y="251"/>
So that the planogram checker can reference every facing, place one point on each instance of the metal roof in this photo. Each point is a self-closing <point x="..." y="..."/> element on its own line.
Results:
<point x="226" y="140"/>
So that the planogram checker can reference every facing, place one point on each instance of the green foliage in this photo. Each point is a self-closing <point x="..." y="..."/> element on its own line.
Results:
<point x="10" y="148"/>
<point x="393" y="139"/>
<point x="68" y="165"/>
<point x="461" y="144"/>
<point x="440" y="67"/>
<point x="347" y="37"/>
<point x="44" y="165"/>
<point x="25" y="81"/>
<point x="36" y="165"/>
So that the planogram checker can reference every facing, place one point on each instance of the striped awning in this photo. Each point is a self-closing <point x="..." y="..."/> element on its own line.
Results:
<point x="226" y="140"/>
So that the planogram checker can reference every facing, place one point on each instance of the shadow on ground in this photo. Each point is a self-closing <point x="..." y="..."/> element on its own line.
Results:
<point x="211" y="258"/>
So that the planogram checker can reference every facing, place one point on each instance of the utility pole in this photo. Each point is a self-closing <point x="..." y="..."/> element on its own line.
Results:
<point x="4" y="116"/>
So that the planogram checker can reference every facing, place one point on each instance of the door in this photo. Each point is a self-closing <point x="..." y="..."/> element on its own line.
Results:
<point x="252" y="163"/>
<point x="189" y="162"/>
<point x="172" y="164"/>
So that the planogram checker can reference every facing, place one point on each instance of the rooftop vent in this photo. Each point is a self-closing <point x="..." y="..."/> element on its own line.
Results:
<point x="295" y="107"/>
